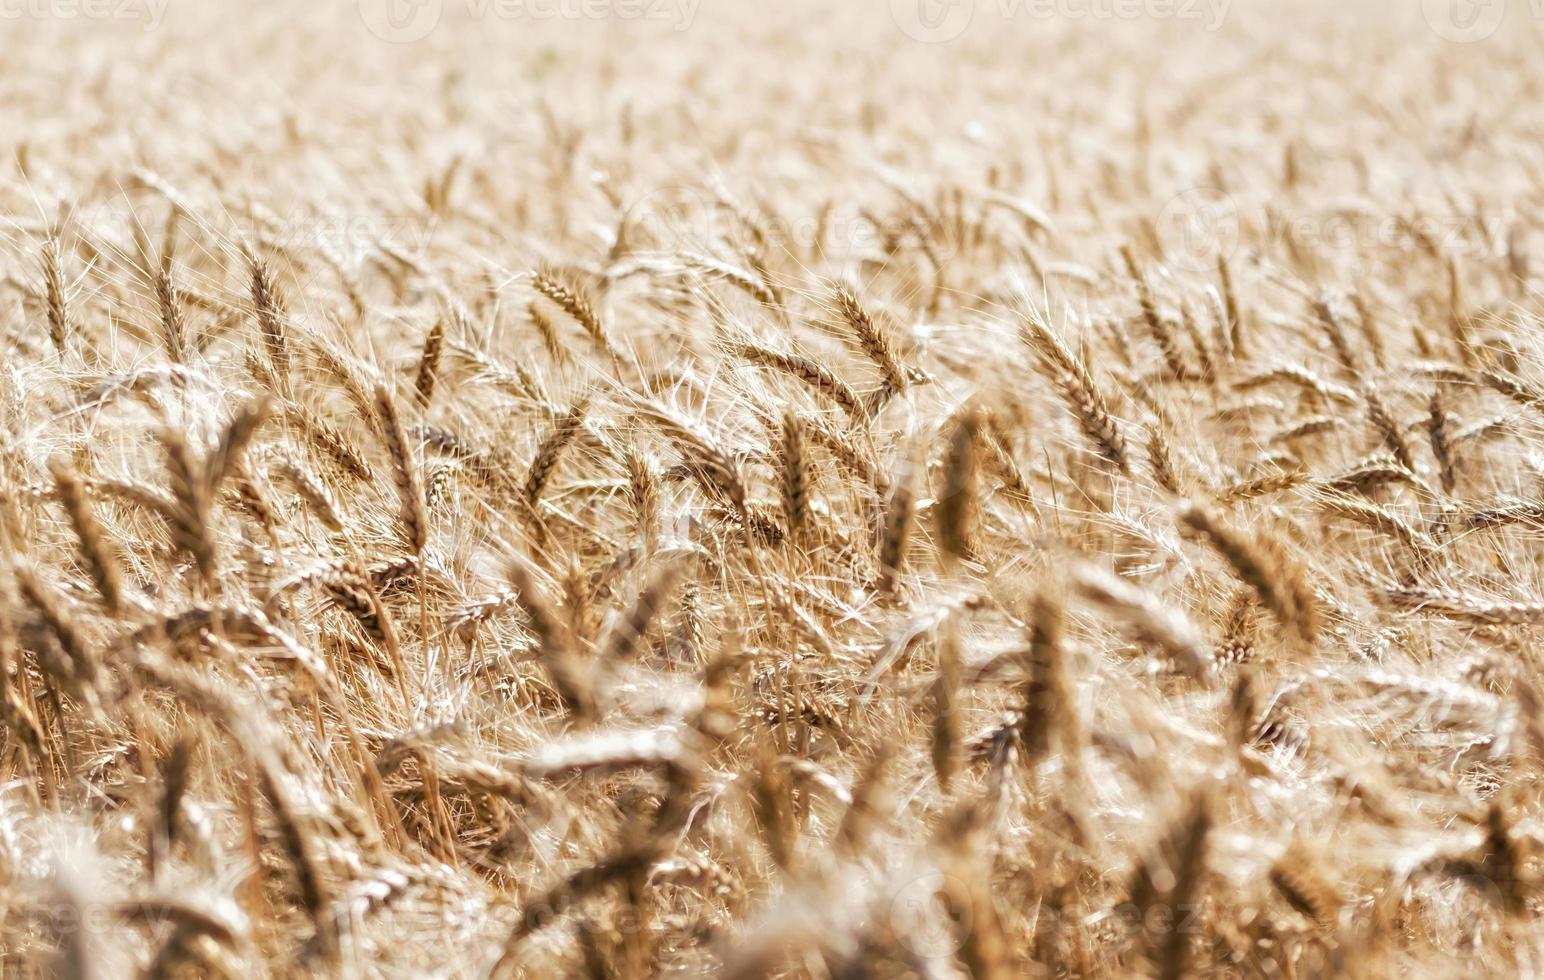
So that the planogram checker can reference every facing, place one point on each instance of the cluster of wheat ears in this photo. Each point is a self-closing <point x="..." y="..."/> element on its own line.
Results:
<point x="498" y="508"/>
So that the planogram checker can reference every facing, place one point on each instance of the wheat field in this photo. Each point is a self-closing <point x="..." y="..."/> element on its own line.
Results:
<point x="688" y="488"/>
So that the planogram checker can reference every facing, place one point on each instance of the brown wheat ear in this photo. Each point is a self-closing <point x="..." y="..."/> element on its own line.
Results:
<point x="561" y="435"/>
<point x="630" y="634"/>
<point x="945" y="706"/>
<point x="895" y="534"/>
<point x="174" y="332"/>
<point x="1157" y="326"/>
<point x="95" y="548"/>
<point x="1437" y="428"/>
<point x="415" y="522"/>
<point x="428" y="375"/>
<point x="572" y="300"/>
<point x="795" y="476"/>
<point x="1232" y="314"/>
<point x="812" y="373"/>
<point x="174" y="787"/>
<point x="1190" y="840"/>
<point x="957" y="507"/>
<point x="1045" y="716"/>
<point x="60" y="325"/>
<point x="1264" y="565"/>
<point x="1077" y="386"/>
<point x="554" y="642"/>
<point x="270" y="314"/>
<point x="80" y="666"/>
<point x="1299" y="880"/>
<point x="874" y="342"/>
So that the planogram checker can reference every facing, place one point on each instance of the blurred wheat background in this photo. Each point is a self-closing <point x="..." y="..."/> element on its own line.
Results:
<point x="690" y="487"/>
